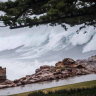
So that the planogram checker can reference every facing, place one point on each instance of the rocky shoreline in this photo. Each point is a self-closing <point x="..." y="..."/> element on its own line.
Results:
<point x="62" y="69"/>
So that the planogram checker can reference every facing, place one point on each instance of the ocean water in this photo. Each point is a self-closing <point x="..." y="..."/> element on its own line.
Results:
<point x="24" y="50"/>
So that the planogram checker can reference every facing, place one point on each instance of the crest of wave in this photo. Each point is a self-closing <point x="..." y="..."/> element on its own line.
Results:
<point x="33" y="42"/>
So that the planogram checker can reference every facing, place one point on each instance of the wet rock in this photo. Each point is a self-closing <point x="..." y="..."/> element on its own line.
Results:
<point x="80" y="66"/>
<point x="19" y="84"/>
<point x="16" y="81"/>
<point x="44" y="67"/>
<point x="3" y="86"/>
<point x="59" y="64"/>
<point x="8" y="82"/>
<point x="62" y="69"/>
<point x="2" y="74"/>
<point x="92" y="58"/>
<point x="68" y="61"/>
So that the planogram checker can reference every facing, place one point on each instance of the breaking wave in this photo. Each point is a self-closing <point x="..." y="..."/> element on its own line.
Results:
<point x="28" y="48"/>
<point x="30" y="43"/>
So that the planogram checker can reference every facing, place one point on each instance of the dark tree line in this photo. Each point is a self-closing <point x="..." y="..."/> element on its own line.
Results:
<point x="19" y="13"/>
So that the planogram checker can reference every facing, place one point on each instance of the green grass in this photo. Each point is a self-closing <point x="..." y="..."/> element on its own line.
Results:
<point x="84" y="87"/>
<point x="71" y="92"/>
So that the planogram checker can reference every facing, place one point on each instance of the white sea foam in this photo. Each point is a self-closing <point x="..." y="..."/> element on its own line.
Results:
<point x="17" y="69"/>
<point x="90" y="45"/>
<point x="38" y="40"/>
<point x="83" y="38"/>
<point x="30" y="43"/>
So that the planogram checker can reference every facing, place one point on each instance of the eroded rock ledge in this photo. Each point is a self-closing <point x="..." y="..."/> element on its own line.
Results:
<point x="62" y="69"/>
<point x="2" y="74"/>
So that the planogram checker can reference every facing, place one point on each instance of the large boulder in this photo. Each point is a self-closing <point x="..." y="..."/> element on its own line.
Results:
<point x="59" y="64"/>
<point x="2" y="74"/>
<point x="67" y="62"/>
<point x="44" y="67"/>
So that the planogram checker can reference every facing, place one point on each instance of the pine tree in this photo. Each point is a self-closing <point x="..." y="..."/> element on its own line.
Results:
<point x="19" y="13"/>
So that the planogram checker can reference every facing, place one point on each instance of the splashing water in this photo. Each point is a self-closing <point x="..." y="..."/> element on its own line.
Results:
<point x="24" y="50"/>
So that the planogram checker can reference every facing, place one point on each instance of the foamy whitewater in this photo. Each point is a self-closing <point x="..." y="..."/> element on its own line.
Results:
<point x="23" y="50"/>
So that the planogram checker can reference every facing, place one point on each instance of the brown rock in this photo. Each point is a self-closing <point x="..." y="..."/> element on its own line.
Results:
<point x="80" y="66"/>
<point x="3" y="86"/>
<point x="8" y="82"/>
<point x="92" y="58"/>
<point x="2" y="74"/>
<point x="44" y="67"/>
<point x="63" y="69"/>
<point x="19" y="83"/>
<point x="59" y="64"/>
<point x="68" y="61"/>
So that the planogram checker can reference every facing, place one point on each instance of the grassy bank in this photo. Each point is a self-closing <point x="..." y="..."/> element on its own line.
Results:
<point x="78" y="89"/>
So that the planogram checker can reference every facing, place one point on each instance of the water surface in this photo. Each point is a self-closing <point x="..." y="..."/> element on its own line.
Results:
<point x="43" y="85"/>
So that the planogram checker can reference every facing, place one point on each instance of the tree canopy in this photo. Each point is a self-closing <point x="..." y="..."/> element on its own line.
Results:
<point x="24" y="13"/>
